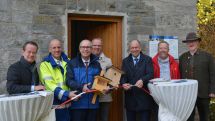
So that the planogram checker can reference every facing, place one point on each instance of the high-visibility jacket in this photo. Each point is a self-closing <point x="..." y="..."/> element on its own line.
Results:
<point x="53" y="75"/>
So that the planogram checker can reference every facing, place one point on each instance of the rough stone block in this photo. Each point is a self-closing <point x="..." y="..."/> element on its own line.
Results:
<point x="19" y="17"/>
<point x="133" y="6"/>
<point x="25" y="6"/>
<point x="57" y="2"/>
<point x="46" y="19"/>
<point x="82" y="5"/>
<point x="111" y="5"/>
<point x="72" y="4"/>
<point x="139" y="29"/>
<point x="42" y="2"/>
<point x="96" y="5"/>
<point x="4" y="5"/>
<point x="52" y="9"/>
<point x="177" y="20"/>
<point x="139" y="20"/>
<point x="48" y="29"/>
<point x="7" y="31"/>
<point x="5" y="17"/>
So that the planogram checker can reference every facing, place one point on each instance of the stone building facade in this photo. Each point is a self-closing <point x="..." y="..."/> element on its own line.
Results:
<point x="42" y="20"/>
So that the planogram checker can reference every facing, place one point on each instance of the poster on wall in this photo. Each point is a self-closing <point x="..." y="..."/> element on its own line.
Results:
<point x="173" y="44"/>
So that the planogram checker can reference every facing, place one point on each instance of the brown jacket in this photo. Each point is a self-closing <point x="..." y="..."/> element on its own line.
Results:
<point x="200" y="67"/>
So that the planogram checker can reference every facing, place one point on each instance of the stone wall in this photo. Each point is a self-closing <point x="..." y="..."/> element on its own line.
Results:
<point x="42" y="20"/>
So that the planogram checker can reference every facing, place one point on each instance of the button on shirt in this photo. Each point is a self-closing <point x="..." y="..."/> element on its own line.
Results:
<point x="164" y="68"/>
<point x="136" y="59"/>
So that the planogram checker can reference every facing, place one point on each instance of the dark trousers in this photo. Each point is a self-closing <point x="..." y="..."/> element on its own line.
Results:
<point x="83" y="114"/>
<point x="155" y="112"/>
<point x="104" y="111"/>
<point x="202" y="105"/>
<point x="62" y="114"/>
<point x="141" y="115"/>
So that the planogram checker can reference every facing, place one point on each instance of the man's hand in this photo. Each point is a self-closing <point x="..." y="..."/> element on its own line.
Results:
<point x="85" y="88"/>
<point x="126" y="86"/>
<point x="72" y="94"/>
<point x="139" y="83"/>
<point x="211" y="95"/>
<point x="39" y="88"/>
<point x="106" y="91"/>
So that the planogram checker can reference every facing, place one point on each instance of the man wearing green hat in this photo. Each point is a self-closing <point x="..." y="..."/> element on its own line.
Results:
<point x="199" y="65"/>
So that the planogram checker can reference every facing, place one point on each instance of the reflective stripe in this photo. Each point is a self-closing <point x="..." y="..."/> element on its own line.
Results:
<point x="60" y="95"/>
<point x="48" y="78"/>
<point x="63" y="106"/>
<point x="60" y="84"/>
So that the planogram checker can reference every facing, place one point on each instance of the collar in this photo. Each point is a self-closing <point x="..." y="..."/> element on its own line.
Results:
<point x="93" y="58"/>
<point x="163" y="60"/>
<point x="51" y="59"/>
<point x="26" y="63"/>
<point x="85" y="60"/>
<point x="56" y="60"/>
<point x="101" y="56"/>
<point x="138" y="57"/>
<point x="196" y="53"/>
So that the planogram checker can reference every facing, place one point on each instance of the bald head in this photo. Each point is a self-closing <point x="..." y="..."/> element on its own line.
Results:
<point x="55" y="48"/>
<point x="85" y="42"/>
<point x="135" y="47"/>
<point x="85" y="48"/>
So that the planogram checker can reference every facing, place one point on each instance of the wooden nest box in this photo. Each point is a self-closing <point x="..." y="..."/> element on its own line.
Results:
<point x="114" y="74"/>
<point x="100" y="83"/>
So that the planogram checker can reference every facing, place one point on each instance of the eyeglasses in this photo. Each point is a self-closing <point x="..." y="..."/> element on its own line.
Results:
<point x="97" y="45"/>
<point x="85" y="47"/>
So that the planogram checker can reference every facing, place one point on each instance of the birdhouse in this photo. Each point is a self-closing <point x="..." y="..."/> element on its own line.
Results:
<point x="114" y="74"/>
<point x="100" y="83"/>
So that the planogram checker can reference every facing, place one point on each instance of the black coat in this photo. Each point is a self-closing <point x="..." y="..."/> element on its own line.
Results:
<point x="136" y="99"/>
<point x="20" y="77"/>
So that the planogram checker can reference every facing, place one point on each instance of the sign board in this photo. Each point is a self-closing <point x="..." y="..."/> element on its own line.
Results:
<point x="173" y="45"/>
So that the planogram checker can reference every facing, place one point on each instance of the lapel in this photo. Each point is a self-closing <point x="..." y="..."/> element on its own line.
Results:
<point x="134" y="69"/>
<point x="140" y="63"/>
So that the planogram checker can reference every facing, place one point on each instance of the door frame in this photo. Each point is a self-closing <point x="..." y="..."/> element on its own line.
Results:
<point x="109" y="17"/>
<point x="124" y="17"/>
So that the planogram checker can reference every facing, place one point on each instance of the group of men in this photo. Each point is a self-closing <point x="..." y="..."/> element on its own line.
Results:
<point x="67" y="78"/>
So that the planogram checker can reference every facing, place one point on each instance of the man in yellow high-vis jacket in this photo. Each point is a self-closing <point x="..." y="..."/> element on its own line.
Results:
<point x="52" y="74"/>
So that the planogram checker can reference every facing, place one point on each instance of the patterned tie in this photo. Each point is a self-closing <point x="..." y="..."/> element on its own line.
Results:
<point x="86" y="64"/>
<point x="136" y="60"/>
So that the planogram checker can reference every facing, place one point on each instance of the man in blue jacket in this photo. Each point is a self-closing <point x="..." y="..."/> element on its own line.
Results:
<point x="138" y="70"/>
<point x="52" y="75"/>
<point x="80" y="76"/>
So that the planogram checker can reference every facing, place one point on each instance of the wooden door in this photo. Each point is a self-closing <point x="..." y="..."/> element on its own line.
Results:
<point x="110" y="30"/>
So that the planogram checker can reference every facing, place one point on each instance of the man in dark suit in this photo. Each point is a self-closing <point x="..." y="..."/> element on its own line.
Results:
<point x="138" y="71"/>
<point x="22" y="76"/>
<point x="199" y="65"/>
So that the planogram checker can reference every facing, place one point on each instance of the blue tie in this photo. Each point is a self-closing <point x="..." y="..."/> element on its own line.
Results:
<point x="135" y="61"/>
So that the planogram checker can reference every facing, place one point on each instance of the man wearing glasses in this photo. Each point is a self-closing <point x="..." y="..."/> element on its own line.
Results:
<point x="105" y="62"/>
<point x="80" y="76"/>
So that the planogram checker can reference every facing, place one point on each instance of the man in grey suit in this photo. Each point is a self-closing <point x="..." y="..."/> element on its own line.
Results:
<point x="199" y="65"/>
<point x="105" y="62"/>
